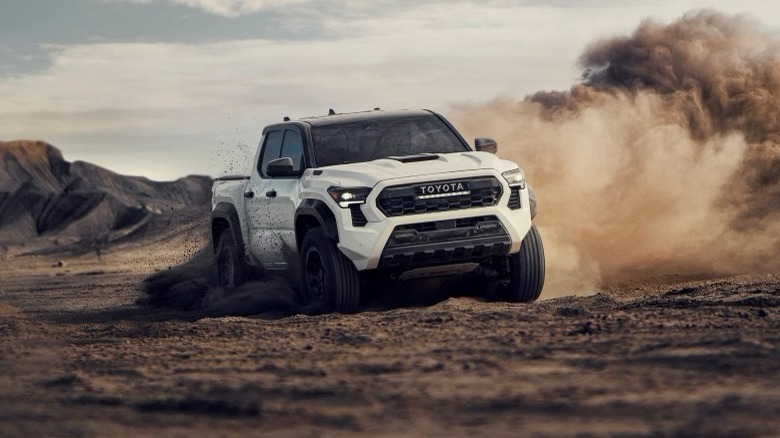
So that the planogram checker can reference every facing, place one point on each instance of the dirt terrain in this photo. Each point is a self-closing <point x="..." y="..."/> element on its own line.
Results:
<point x="79" y="357"/>
<point x="662" y="160"/>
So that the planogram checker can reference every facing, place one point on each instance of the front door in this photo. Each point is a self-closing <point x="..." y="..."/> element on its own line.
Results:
<point x="271" y="207"/>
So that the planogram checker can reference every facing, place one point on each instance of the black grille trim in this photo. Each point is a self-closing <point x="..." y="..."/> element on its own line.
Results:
<point x="467" y="222"/>
<point x="401" y="200"/>
<point x="514" y="198"/>
<point x="358" y="218"/>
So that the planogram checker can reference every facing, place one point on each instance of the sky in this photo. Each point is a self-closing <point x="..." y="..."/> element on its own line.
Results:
<point x="167" y="88"/>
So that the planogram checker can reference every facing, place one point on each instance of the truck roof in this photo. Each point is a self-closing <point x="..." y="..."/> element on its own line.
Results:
<point x="359" y="116"/>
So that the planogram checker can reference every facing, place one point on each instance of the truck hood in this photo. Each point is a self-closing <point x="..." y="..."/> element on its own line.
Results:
<point x="368" y="174"/>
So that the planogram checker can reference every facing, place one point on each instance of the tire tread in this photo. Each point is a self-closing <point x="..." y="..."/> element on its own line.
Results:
<point x="228" y="243"/>
<point x="529" y="269"/>
<point x="346" y="278"/>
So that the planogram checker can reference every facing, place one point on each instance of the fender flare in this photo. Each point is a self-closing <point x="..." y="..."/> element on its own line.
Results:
<point x="227" y="211"/>
<point x="321" y="213"/>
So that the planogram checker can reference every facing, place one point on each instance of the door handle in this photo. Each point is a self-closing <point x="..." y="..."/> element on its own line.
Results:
<point x="250" y="194"/>
<point x="271" y="193"/>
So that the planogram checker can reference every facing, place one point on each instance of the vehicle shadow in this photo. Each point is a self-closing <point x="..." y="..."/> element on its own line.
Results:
<point x="187" y="292"/>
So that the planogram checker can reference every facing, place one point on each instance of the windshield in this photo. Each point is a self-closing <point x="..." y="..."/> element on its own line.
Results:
<point x="368" y="140"/>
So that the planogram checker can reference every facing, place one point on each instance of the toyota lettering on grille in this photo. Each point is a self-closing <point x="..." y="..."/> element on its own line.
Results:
<point x="442" y="190"/>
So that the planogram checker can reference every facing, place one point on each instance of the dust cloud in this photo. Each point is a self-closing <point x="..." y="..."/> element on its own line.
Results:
<point x="665" y="160"/>
<point x="189" y="287"/>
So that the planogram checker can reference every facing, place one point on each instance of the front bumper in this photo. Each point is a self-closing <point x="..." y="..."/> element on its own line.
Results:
<point x="445" y="242"/>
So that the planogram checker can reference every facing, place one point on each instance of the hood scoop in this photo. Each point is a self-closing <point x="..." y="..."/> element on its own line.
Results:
<point x="415" y="158"/>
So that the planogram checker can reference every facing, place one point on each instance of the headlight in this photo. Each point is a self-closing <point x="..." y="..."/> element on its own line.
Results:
<point x="348" y="196"/>
<point x="515" y="178"/>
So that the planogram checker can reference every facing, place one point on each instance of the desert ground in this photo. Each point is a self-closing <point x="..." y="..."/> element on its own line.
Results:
<point x="664" y="159"/>
<point x="79" y="356"/>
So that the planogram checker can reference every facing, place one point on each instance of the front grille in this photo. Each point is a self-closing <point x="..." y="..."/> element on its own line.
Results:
<point x="514" y="198"/>
<point x="402" y="200"/>
<point x="358" y="218"/>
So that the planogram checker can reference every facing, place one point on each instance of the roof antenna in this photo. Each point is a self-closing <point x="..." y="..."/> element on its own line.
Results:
<point x="331" y="112"/>
<point x="286" y="119"/>
<point x="376" y="109"/>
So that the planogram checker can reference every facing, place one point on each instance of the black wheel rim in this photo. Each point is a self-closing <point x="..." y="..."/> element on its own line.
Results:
<point x="315" y="275"/>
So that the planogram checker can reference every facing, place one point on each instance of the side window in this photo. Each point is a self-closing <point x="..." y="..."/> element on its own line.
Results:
<point x="293" y="147"/>
<point x="271" y="150"/>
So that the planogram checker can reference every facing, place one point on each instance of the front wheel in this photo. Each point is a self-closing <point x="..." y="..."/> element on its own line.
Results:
<point x="522" y="274"/>
<point x="330" y="280"/>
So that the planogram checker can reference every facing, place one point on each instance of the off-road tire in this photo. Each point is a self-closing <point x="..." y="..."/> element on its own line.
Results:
<point x="524" y="280"/>
<point x="230" y="270"/>
<point x="330" y="280"/>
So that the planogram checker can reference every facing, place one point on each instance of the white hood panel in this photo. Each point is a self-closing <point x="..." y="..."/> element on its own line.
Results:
<point x="368" y="174"/>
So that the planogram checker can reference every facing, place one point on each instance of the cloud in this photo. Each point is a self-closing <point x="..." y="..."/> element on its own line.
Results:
<point x="164" y="109"/>
<point x="229" y="8"/>
<point x="222" y="93"/>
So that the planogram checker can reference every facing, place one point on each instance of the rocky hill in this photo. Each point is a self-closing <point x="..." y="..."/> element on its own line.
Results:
<point x="43" y="197"/>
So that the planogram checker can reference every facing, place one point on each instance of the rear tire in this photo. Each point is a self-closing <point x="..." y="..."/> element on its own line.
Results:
<point x="523" y="280"/>
<point x="230" y="269"/>
<point x="330" y="280"/>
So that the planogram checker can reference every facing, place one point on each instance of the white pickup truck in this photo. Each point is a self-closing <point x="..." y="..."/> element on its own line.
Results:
<point x="393" y="194"/>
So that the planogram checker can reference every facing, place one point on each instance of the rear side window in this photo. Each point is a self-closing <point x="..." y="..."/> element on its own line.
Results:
<point x="292" y="147"/>
<point x="271" y="150"/>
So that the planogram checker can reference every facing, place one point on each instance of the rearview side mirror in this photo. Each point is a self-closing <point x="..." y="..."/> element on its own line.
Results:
<point x="486" y="145"/>
<point x="280" y="167"/>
